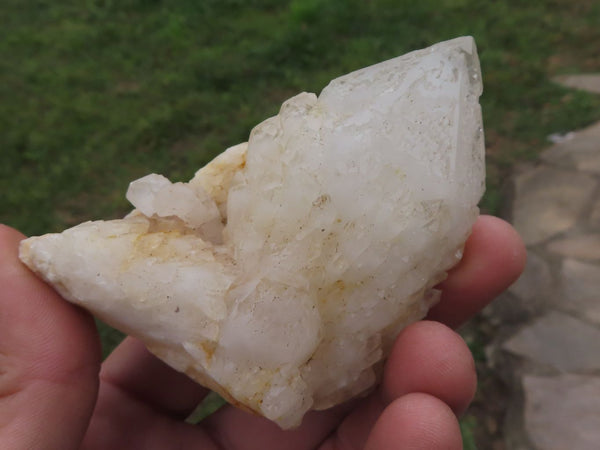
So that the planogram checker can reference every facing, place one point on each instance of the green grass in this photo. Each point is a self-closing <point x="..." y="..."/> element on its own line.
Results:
<point x="99" y="92"/>
<point x="96" y="93"/>
<point x="467" y="425"/>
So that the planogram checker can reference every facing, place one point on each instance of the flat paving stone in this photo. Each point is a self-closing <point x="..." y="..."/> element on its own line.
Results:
<point x="585" y="82"/>
<point x="562" y="412"/>
<point x="528" y="296"/>
<point x="536" y="279"/>
<point x="580" y="284"/>
<point x="582" y="152"/>
<point x="549" y="201"/>
<point x="584" y="246"/>
<point x="595" y="214"/>
<point x="560" y="341"/>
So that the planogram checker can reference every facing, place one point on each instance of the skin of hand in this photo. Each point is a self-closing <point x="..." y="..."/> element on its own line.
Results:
<point x="56" y="394"/>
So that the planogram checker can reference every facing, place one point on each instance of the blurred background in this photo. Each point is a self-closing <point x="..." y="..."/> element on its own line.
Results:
<point x="96" y="93"/>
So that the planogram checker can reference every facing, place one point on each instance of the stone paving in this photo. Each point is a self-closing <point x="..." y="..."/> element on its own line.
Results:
<point x="548" y="342"/>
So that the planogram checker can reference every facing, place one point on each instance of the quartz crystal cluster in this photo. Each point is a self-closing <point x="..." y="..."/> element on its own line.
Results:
<point x="280" y="275"/>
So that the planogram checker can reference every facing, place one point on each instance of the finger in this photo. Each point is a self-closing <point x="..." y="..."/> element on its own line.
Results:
<point x="123" y="422"/>
<point x="427" y="357"/>
<point x="120" y="419"/>
<point x="137" y="372"/>
<point x="132" y="376"/>
<point x="493" y="259"/>
<point x="235" y="429"/>
<point x="49" y="359"/>
<point x="416" y="421"/>
<point x="431" y="358"/>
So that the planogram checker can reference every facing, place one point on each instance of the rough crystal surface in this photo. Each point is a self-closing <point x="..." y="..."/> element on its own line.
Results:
<point x="280" y="275"/>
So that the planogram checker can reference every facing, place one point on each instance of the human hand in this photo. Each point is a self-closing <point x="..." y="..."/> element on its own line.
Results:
<point x="55" y="395"/>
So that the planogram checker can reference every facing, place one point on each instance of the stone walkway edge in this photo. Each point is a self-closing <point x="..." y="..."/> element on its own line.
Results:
<point x="548" y="344"/>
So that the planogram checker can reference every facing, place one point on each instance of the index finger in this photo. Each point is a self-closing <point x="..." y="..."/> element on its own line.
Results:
<point x="494" y="257"/>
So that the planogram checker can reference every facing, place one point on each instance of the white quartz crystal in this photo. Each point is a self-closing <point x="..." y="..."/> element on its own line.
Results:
<point x="280" y="275"/>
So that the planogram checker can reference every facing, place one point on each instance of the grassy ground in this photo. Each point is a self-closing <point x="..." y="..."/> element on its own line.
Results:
<point x="96" y="93"/>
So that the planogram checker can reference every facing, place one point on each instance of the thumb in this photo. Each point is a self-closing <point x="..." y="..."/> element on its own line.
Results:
<point x="49" y="359"/>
